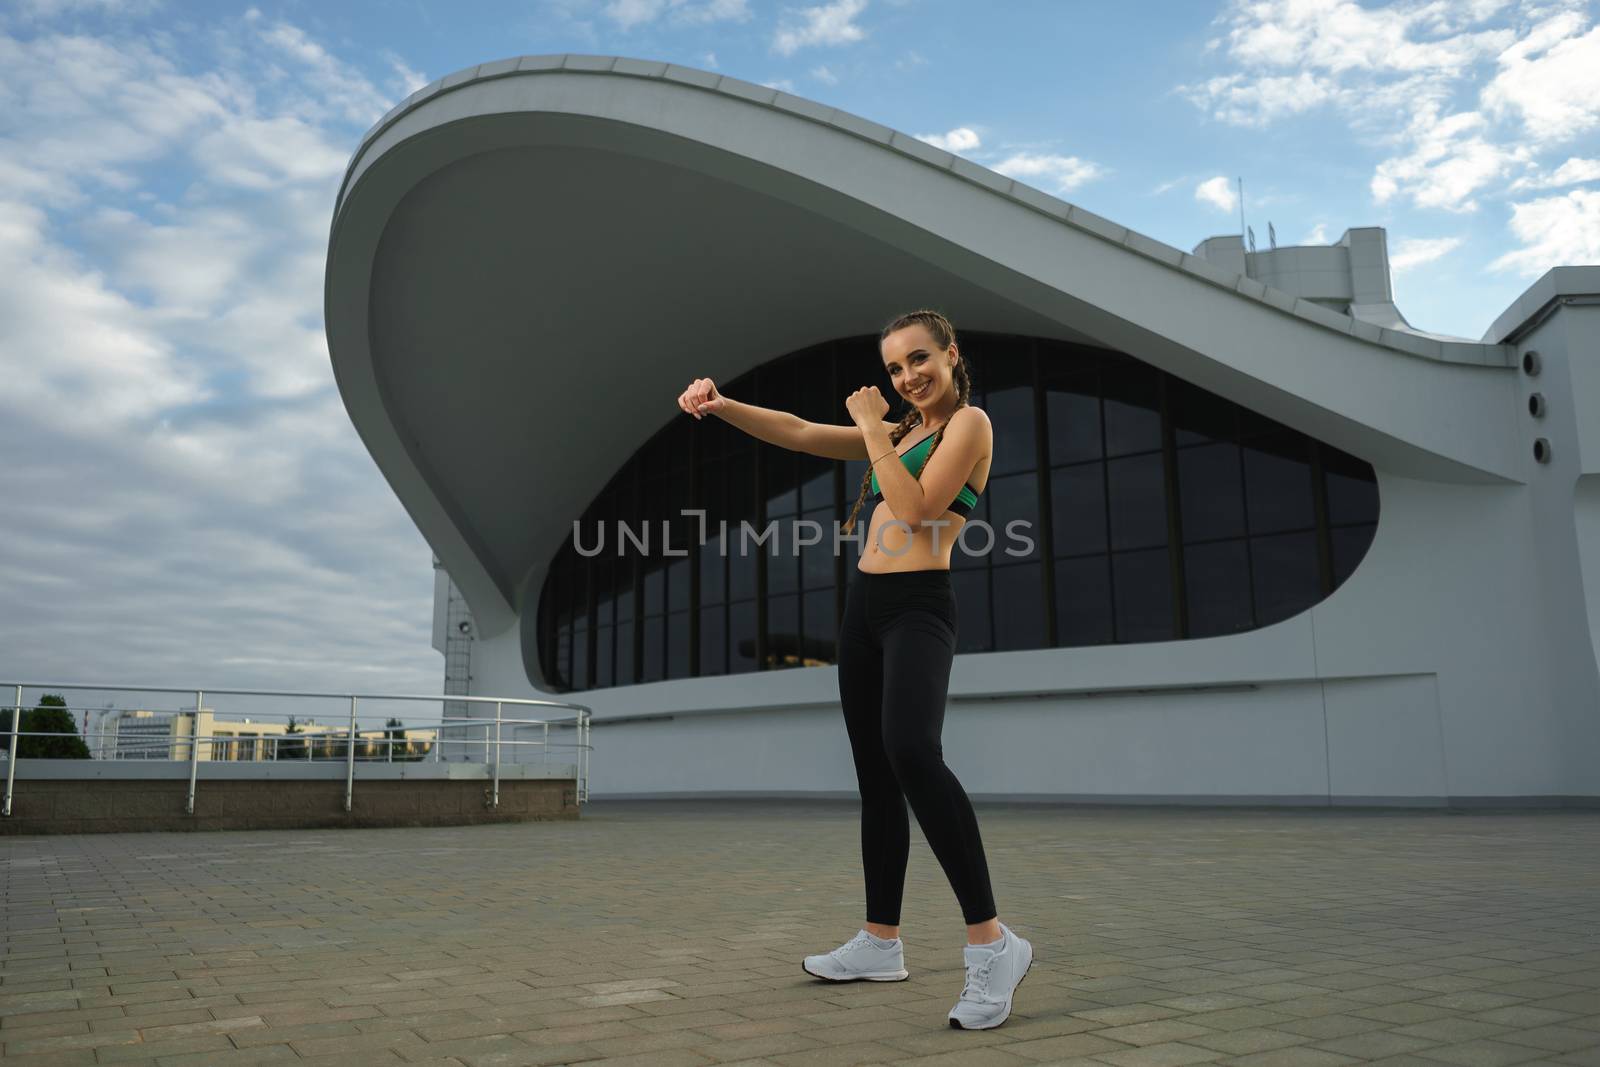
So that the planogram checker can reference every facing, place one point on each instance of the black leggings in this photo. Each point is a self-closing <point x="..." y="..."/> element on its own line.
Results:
<point x="896" y="642"/>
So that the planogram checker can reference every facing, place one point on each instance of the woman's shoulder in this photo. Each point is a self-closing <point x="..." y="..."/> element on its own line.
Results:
<point x="975" y="415"/>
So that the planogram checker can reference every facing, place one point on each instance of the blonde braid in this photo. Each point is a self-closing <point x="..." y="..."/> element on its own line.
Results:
<point x="944" y="334"/>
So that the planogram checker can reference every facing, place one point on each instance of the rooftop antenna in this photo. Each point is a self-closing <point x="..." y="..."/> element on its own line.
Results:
<point x="1242" y="227"/>
<point x="1252" y="235"/>
<point x="1272" y="235"/>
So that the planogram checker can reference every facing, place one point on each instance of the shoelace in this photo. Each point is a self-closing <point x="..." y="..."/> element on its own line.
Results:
<point x="978" y="981"/>
<point x="859" y="939"/>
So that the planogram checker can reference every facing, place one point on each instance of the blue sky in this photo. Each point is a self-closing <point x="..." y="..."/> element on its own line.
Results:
<point x="186" y="499"/>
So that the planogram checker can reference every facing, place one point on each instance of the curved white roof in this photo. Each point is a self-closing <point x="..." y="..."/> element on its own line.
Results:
<point x="530" y="259"/>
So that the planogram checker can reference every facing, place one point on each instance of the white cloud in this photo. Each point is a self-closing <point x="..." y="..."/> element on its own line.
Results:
<point x="337" y="91"/>
<point x="1551" y="80"/>
<point x="710" y="60"/>
<point x="1554" y="231"/>
<point x="783" y="85"/>
<point x="1573" y="171"/>
<point x="630" y="13"/>
<point x="826" y="24"/>
<point x="189" y="494"/>
<point x="73" y="347"/>
<point x="1463" y="107"/>
<point x="261" y="153"/>
<point x="1342" y="35"/>
<point x="1415" y="251"/>
<point x="1451" y="160"/>
<point x="1244" y="101"/>
<point x="712" y="11"/>
<point x="1062" y="174"/>
<point x="409" y="80"/>
<point x="1218" y="192"/>
<point x="961" y="139"/>
<point x="83" y="112"/>
<point x="49" y="9"/>
<point x="824" y="75"/>
<point x="1317" y="236"/>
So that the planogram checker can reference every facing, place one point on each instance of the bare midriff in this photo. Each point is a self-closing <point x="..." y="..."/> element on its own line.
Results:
<point x="891" y="547"/>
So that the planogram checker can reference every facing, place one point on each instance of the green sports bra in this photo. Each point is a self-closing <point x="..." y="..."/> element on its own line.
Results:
<point x="965" y="500"/>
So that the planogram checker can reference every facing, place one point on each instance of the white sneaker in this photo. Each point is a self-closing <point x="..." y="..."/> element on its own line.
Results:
<point x="993" y="974"/>
<point x="860" y="959"/>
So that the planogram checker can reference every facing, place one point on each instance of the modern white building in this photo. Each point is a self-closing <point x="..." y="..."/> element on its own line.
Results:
<point x="1289" y="549"/>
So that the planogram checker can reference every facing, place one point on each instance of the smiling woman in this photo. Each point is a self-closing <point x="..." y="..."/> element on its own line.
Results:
<point x="896" y="643"/>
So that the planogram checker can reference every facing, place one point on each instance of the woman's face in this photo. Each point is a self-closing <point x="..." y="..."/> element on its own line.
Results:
<point x="918" y="368"/>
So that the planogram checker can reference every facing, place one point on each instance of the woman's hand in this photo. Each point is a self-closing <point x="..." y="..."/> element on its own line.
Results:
<point x="701" y="398"/>
<point x="866" y="406"/>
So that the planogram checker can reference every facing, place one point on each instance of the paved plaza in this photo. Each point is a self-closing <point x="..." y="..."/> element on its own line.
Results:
<point x="668" y="934"/>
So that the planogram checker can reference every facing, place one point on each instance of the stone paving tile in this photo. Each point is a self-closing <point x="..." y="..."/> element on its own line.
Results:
<point x="670" y="933"/>
<point x="355" y="1044"/>
<point x="522" y="1056"/>
<point x="1554" y="1038"/>
<point x="1373" y="1045"/>
<point x="269" y="1054"/>
<point x="1065" y="1046"/>
<point x="1298" y="1056"/>
<point x="1404" y="1013"/>
<point x="54" y="1059"/>
<point x="1248" y="1040"/>
<point x="149" y="1051"/>
<point x="1166" y="1054"/>
<point x="1483" y="1053"/>
<point x="374" y="1058"/>
<point x="1321" y="1027"/>
<point x="866" y="1054"/>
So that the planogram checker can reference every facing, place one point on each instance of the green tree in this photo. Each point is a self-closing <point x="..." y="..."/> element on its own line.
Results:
<point x="50" y="717"/>
<point x="292" y="749"/>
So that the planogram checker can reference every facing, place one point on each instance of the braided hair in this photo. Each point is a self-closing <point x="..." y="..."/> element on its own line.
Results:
<point x="944" y="335"/>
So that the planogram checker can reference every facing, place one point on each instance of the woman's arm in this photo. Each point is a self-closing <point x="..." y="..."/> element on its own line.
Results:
<point x="792" y="432"/>
<point x="775" y="427"/>
<point x="835" y="442"/>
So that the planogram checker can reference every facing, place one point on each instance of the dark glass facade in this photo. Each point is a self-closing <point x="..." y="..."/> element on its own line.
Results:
<point x="1157" y="511"/>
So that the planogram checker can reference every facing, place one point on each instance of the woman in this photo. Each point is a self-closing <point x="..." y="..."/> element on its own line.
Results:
<point x="896" y="643"/>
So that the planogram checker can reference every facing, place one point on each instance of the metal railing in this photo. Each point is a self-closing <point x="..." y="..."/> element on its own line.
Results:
<point x="468" y="726"/>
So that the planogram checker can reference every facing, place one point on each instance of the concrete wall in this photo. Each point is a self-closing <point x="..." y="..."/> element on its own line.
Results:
<point x="78" y="797"/>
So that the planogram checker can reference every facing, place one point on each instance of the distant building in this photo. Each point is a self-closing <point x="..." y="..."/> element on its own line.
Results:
<point x="164" y="735"/>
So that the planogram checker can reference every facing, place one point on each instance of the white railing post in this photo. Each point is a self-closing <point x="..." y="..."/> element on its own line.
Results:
<point x="494" y="801"/>
<point x="350" y="758"/>
<point x="11" y="764"/>
<point x="194" y="747"/>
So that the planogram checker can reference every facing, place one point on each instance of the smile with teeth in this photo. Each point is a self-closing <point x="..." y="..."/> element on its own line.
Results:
<point x="919" y="393"/>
